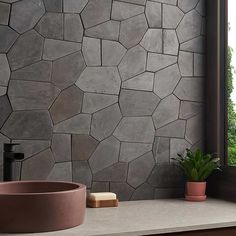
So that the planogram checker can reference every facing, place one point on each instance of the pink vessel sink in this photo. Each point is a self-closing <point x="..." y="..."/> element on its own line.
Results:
<point x="40" y="206"/>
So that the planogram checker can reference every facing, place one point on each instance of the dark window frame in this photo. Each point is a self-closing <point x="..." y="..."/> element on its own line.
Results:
<point x="216" y="75"/>
<point x="221" y="184"/>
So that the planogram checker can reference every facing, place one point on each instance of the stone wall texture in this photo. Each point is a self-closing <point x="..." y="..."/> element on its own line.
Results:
<point x="103" y="92"/>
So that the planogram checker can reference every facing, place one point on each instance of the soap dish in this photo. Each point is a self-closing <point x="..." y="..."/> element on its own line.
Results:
<point x="103" y="199"/>
<point x="102" y="203"/>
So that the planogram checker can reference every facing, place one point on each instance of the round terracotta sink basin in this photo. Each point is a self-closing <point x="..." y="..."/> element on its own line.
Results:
<point x="40" y="206"/>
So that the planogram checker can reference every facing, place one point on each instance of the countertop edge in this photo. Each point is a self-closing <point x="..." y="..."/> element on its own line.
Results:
<point x="172" y="230"/>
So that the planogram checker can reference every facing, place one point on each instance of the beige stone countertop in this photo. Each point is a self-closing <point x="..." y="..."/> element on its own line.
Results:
<point x="153" y="217"/>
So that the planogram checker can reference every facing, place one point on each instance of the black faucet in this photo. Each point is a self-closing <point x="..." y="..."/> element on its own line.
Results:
<point x="9" y="156"/>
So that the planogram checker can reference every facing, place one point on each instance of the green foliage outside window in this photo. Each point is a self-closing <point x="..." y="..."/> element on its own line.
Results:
<point x="231" y="112"/>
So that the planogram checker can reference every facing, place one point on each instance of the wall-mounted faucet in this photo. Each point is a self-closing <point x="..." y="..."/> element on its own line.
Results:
<point x="9" y="156"/>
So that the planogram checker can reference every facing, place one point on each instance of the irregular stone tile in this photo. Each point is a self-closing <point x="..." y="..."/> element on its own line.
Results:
<point x="122" y="10"/>
<point x="178" y="146"/>
<point x="187" y="5"/>
<point x="194" y="45"/>
<point x="39" y="71"/>
<point x="4" y="13"/>
<point x="105" y="121"/>
<point x="25" y="14"/>
<point x="203" y="28"/>
<point x="190" y="89"/>
<point x="3" y="90"/>
<point x="133" y="63"/>
<point x="106" y="154"/>
<point x="29" y="95"/>
<point x="88" y="191"/>
<point x="53" y="5"/>
<point x="172" y="15"/>
<point x="164" y="193"/>
<point x="5" y="108"/>
<point x="93" y="102"/>
<point x="140" y="169"/>
<point x="166" y="80"/>
<point x="122" y="190"/>
<point x="152" y="40"/>
<point x="189" y="27"/>
<point x="166" y="112"/>
<point x="4" y="70"/>
<point x="161" y="150"/>
<point x="171" y="43"/>
<point x="73" y="28"/>
<point x="9" y="1"/>
<point x="51" y="26"/>
<point x="194" y="129"/>
<point x="67" y="104"/>
<point x="130" y="151"/>
<point x="82" y="173"/>
<point x="157" y="62"/>
<point x="114" y="173"/>
<point x="139" y="2"/>
<point x="153" y="14"/>
<point x="143" y="81"/>
<point x="74" y="6"/>
<point x="199" y="65"/>
<point x="91" y="51"/>
<point x="31" y="147"/>
<point x="198" y="145"/>
<point x="7" y="38"/>
<point x="79" y="124"/>
<point x="100" y="80"/>
<point x="167" y="176"/>
<point x="189" y="109"/>
<point x="61" y="147"/>
<point x="108" y="30"/>
<point x="175" y="129"/>
<point x="135" y="129"/>
<point x="82" y="147"/>
<point x="61" y="172"/>
<point x="100" y="187"/>
<point x="137" y="103"/>
<point x="37" y="167"/>
<point x="144" y="192"/>
<point x="69" y="67"/>
<point x="27" y="50"/>
<point x="96" y="12"/>
<point x="201" y="8"/>
<point x="132" y="30"/>
<point x="28" y="125"/>
<point x="185" y="62"/>
<point x="171" y="2"/>
<point x="112" y="53"/>
<point x="3" y="139"/>
<point x="54" y="49"/>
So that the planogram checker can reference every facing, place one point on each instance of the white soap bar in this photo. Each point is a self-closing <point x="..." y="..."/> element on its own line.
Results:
<point x="102" y="196"/>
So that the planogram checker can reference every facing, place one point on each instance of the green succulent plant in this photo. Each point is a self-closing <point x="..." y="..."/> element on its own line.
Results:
<point x="197" y="166"/>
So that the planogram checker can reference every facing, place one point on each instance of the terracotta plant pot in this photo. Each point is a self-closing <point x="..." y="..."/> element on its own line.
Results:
<point x="195" y="191"/>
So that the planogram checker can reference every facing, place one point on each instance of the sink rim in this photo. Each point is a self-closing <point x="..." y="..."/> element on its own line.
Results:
<point x="74" y="187"/>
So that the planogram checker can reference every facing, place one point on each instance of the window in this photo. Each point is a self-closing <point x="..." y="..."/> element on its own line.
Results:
<point x="221" y="184"/>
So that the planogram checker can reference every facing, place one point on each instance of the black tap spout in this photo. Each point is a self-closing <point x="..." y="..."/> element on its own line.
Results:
<point x="9" y="156"/>
<point x="13" y="156"/>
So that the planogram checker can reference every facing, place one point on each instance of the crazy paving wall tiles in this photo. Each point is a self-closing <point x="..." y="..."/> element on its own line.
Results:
<point x="103" y="92"/>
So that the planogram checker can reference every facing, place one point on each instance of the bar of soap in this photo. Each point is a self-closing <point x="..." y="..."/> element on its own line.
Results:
<point x="102" y="196"/>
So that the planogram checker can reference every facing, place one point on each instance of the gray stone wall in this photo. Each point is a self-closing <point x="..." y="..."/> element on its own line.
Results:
<point x="103" y="92"/>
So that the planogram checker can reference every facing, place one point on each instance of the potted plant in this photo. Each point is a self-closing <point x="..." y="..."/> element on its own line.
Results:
<point x="197" y="167"/>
